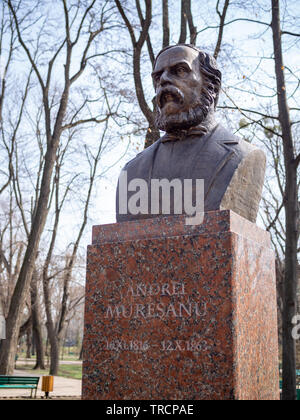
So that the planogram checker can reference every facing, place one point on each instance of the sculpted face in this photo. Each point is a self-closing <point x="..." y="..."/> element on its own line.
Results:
<point x="177" y="67"/>
<point x="178" y="85"/>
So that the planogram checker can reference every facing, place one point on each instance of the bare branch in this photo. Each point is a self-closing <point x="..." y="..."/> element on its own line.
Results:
<point x="192" y="28"/>
<point x="272" y="117"/>
<point x="5" y="261"/>
<point x="148" y="41"/>
<point x="127" y="23"/>
<point x="51" y="62"/>
<point x="289" y="33"/>
<point x="25" y="47"/>
<point x="165" y="23"/>
<point x="259" y="122"/>
<point x="233" y="21"/>
<point x="82" y="21"/>
<point x="67" y="24"/>
<point x="182" y="37"/>
<point x="221" y="28"/>
<point x="271" y="225"/>
<point x="84" y="55"/>
<point x="137" y="48"/>
<point x="88" y="120"/>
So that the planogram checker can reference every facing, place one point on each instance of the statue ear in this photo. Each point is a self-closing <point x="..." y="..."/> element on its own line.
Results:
<point x="216" y="96"/>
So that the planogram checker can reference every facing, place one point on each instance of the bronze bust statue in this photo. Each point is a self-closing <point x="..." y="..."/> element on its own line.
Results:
<point x="187" y="83"/>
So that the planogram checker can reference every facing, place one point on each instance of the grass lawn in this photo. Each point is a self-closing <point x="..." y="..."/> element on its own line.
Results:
<point x="67" y="371"/>
<point x="70" y="371"/>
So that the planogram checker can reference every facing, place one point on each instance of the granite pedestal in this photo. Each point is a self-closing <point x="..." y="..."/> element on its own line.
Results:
<point x="180" y="312"/>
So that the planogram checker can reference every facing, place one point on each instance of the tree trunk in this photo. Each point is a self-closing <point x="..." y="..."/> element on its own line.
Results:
<point x="52" y="335"/>
<point x="36" y="324"/>
<point x="151" y="136"/>
<point x="54" y="354"/>
<point x="81" y="353"/>
<point x="183" y="21"/>
<point x="221" y="28"/>
<point x="291" y="218"/>
<point x="192" y="28"/>
<point x="165" y="24"/>
<point x="9" y="346"/>
<point x="28" y="342"/>
<point x="38" y="341"/>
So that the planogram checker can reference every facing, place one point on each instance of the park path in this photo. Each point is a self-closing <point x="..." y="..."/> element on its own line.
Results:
<point x="23" y="361"/>
<point x="63" y="387"/>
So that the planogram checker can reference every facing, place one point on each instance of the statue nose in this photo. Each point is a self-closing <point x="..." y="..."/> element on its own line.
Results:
<point x="165" y="79"/>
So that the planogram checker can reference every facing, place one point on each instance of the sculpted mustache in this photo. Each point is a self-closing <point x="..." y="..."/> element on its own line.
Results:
<point x="172" y="90"/>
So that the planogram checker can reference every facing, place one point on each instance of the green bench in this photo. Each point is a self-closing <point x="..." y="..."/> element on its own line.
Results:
<point x="19" y="382"/>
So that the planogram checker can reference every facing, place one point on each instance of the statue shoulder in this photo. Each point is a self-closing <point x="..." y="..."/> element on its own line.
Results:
<point x="248" y="149"/>
<point x="243" y="194"/>
<point x="244" y="147"/>
<point x="142" y="159"/>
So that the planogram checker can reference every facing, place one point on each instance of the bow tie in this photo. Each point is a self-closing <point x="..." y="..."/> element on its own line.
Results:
<point x="178" y="135"/>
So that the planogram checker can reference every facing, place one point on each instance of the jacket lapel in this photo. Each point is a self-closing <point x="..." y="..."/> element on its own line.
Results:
<point x="222" y="147"/>
<point x="227" y="153"/>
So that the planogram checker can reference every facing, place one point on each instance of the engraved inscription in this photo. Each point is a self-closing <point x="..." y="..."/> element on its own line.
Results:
<point x="161" y="310"/>
<point x="166" y="289"/>
<point x="120" y="345"/>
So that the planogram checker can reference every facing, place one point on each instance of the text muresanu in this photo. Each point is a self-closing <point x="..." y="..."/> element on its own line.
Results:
<point x="155" y="310"/>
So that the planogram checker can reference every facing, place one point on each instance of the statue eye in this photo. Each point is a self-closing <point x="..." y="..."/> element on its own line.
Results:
<point x="181" y="70"/>
<point x="156" y="77"/>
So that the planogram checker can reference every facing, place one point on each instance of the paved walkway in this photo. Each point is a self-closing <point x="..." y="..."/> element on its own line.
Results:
<point x="22" y="361"/>
<point x="63" y="387"/>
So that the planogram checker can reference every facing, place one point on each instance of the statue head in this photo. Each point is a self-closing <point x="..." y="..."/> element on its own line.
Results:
<point x="187" y="83"/>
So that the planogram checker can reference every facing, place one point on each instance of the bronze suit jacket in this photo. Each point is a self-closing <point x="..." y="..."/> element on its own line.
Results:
<point x="232" y="169"/>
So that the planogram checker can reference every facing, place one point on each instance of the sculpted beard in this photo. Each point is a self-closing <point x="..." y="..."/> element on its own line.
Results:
<point x="184" y="120"/>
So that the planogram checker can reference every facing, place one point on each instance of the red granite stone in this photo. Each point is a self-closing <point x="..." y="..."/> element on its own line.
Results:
<point x="180" y="312"/>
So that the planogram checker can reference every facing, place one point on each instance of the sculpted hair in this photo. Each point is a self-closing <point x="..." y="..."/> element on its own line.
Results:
<point x="212" y="76"/>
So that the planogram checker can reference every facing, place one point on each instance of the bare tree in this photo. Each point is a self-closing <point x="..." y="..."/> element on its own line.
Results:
<point x="291" y="162"/>
<point x="137" y="45"/>
<point x="81" y="29"/>
<point x="281" y="143"/>
<point x="56" y="328"/>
